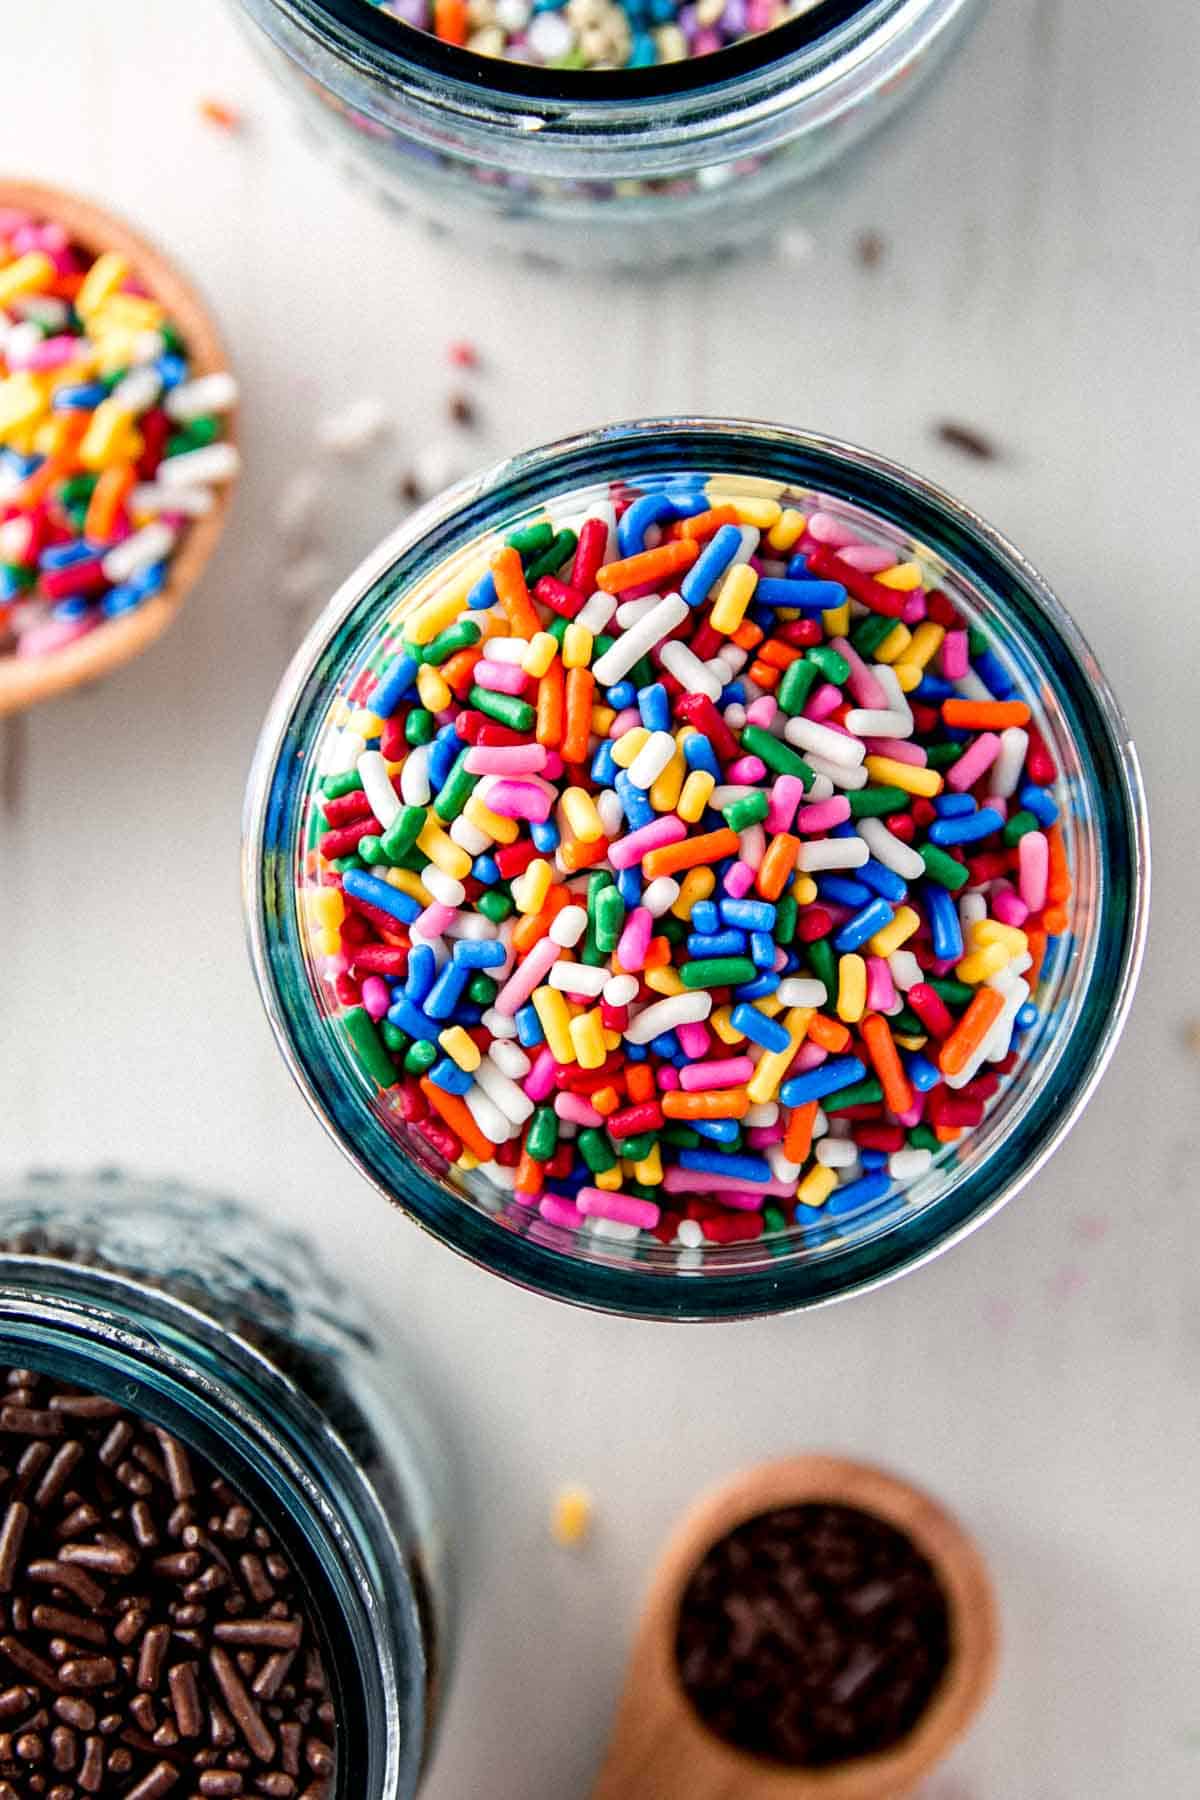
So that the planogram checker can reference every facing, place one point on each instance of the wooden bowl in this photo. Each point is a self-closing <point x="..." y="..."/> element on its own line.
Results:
<point x="26" y="680"/>
<point x="661" y="1750"/>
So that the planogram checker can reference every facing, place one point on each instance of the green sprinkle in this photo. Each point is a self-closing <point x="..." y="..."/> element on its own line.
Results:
<point x="773" y="1219"/>
<point x="420" y="727"/>
<point x="194" y="436"/>
<point x="78" y="488"/>
<point x="799" y="679"/>
<point x="403" y="832"/>
<point x="831" y="663"/>
<point x="674" y="930"/>
<point x="366" y="1045"/>
<point x="874" y="802"/>
<point x="941" y="756"/>
<point x="334" y="786"/>
<point x="505" y="709"/>
<point x="481" y="989"/>
<point x="421" y="1057"/>
<point x="595" y="1149"/>
<point x="372" y="851"/>
<point x="977" y="640"/>
<point x="558" y="629"/>
<point x="906" y="1023"/>
<point x="635" y="1148"/>
<point x="954" y="993"/>
<point x="786" y="914"/>
<point x="924" y="1137"/>
<point x="531" y="540"/>
<point x="396" y="1040"/>
<point x="494" y="905"/>
<point x="541" y="1139"/>
<point x="862" y="1093"/>
<point x="456" y="790"/>
<point x="682" y="1137"/>
<point x="823" y="963"/>
<point x="610" y="919"/>
<point x="1016" y="827"/>
<point x="942" y="868"/>
<point x="750" y="809"/>
<point x="552" y="559"/>
<point x="776" y="754"/>
<point x="870" y="633"/>
<point x="464" y="634"/>
<point x="342" y="863"/>
<point x="717" y="971"/>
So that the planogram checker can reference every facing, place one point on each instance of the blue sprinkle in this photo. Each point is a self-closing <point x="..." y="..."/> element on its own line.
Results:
<point x="604" y="765"/>
<point x="447" y="1075"/>
<point x="120" y="600"/>
<point x="758" y="990"/>
<point x="834" y="1074"/>
<point x="545" y="834"/>
<point x="862" y="926"/>
<point x="446" y="991"/>
<point x="635" y="802"/>
<point x="654" y="708"/>
<point x="171" y="369"/>
<point x="953" y="806"/>
<point x="923" y="1074"/>
<point x="83" y="397"/>
<point x="705" y="917"/>
<point x="74" y="608"/>
<point x="667" y="1046"/>
<point x="750" y="915"/>
<point x="698" y="753"/>
<point x="422" y="972"/>
<point x="720" y="1131"/>
<point x="443" y="754"/>
<point x="636" y="520"/>
<point x="758" y="1028"/>
<point x="733" y="694"/>
<point x="993" y="674"/>
<point x="484" y="869"/>
<point x="478" y="953"/>
<point x="1027" y="1016"/>
<point x="944" y="924"/>
<point x="712" y="1162"/>
<point x="1040" y="802"/>
<point x="969" y="830"/>
<point x="380" y="893"/>
<point x="716" y="943"/>
<point x="393" y="684"/>
<point x="629" y="885"/>
<point x="621" y="695"/>
<point x="806" y="596"/>
<point x="842" y="891"/>
<point x="483" y="594"/>
<point x="762" y="950"/>
<point x="873" y="1159"/>
<point x="407" y="1017"/>
<point x="711" y="564"/>
<point x="857" y="1194"/>
<point x="884" y="881"/>
<point x="529" y="1028"/>
<point x="931" y="690"/>
<point x="65" y="556"/>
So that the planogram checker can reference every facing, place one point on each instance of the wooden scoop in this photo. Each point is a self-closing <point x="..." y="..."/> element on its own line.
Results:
<point x="24" y="680"/>
<point x="660" y="1750"/>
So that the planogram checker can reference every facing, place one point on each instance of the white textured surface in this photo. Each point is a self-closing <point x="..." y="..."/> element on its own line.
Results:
<point x="1040" y="283"/>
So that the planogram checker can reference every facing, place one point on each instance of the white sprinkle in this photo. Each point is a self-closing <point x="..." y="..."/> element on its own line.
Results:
<point x="486" y="1114"/>
<point x="146" y="547"/>
<point x="652" y="759"/>
<point x="735" y="714"/>
<point x="660" y="896"/>
<point x="443" y="887"/>
<point x="833" y="853"/>
<point x="890" y="850"/>
<point x="354" y="428"/>
<point x="596" y="613"/>
<point x="838" y="773"/>
<point x="763" y="1115"/>
<point x="619" y="990"/>
<point x="510" y="1059"/>
<point x="414" y="778"/>
<point x="148" y="497"/>
<point x="513" y="1103"/>
<point x="802" y="990"/>
<point x="906" y="970"/>
<point x="832" y="746"/>
<point x="212" y="462"/>
<point x="612" y="813"/>
<point x="866" y="721"/>
<point x="666" y="1015"/>
<point x="971" y="687"/>
<point x="498" y="1025"/>
<point x="837" y="1153"/>
<point x="1006" y="770"/>
<point x="569" y="926"/>
<point x="469" y="837"/>
<point x="578" y="978"/>
<point x="214" y="393"/>
<point x="350" y="748"/>
<point x="972" y="910"/>
<point x="669" y="612"/>
<point x="782" y="1168"/>
<point x="630" y="611"/>
<point x="377" y="786"/>
<point x="689" y="1234"/>
<point x="137" y="392"/>
<point x="689" y="671"/>
<point x="906" y="1165"/>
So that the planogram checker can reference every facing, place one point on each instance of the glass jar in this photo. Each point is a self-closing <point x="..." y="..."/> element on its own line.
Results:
<point x="633" y="167"/>
<point x="197" y="1314"/>
<point x="1087" y="982"/>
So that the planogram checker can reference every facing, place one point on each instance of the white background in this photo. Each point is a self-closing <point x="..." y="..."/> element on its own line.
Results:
<point x="1040" y="283"/>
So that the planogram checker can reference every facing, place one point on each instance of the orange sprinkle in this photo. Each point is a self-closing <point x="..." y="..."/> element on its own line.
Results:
<point x="1058" y="877"/>
<point x="458" y="671"/>
<point x="1037" y="950"/>
<point x="763" y="675"/>
<point x="35" y="487"/>
<point x="972" y="1028"/>
<point x="985" y="715"/>
<point x="948" y="1134"/>
<point x="216" y="112"/>
<point x="509" y="577"/>
<point x="885" y="1058"/>
<point x="551" y="706"/>
<point x="575" y="856"/>
<point x="777" y="865"/>
<point x="1056" y="919"/>
<point x="779" y="654"/>
<point x="703" y="525"/>
<point x="717" y="1103"/>
<point x="530" y="1174"/>
<point x="640" y="1083"/>
<point x="532" y="927"/>
<point x="581" y="687"/>
<point x="658" y="953"/>
<point x="450" y="21"/>
<point x="709" y="847"/>
<point x="459" y="1118"/>
<point x="606" y="1100"/>
<point x="670" y="558"/>
<point x="797" y="1139"/>
<point x="828" y="1034"/>
<point x="748" y="635"/>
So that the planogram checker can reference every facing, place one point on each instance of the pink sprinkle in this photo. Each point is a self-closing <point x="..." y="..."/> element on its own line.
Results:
<point x="695" y="1040"/>
<point x="866" y="688"/>
<point x="915" y="608"/>
<point x="667" y="1077"/>
<point x="40" y="639"/>
<point x="629" y="850"/>
<point x="518" y="800"/>
<point x="742" y="1199"/>
<point x="761" y="1137"/>
<point x="625" y="1209"/>
<point x="729" y="1071"/>
<point x="823" y="815"/>
<point x="827" y="528"/>
<point x="635" y="940"/>
<point x="808" y="1056"/>
<point x="786" y="796"/>
<point x="376" y="996"/>
<point x="1007" y="906"/>
<point x="578" y="1110"/>
<point x="554" y="765"/>
<point x="629" y="720"/>
<point x="739" y="880"/>
<point x="538" y="1085"/>
<point x="500" y="677"/>
<point x="49" y="353"/>
<point x="825" y="700"/>
<point x="434" y="920"/>
<point x="506" y="759"/>
<point x="1033" y="863"/>
<point x="557" y="1211"/>
<point x="872" y="559"/>
<point x="899" y="749"/>
<point x="954" y="655"/>
<point x="525" y="977"/>
<point x="881" y="989"/>
<point x="703" y="1181"/>
<point x="975" y="760"/>
<point x="761" y="713"/>
<point x="914" y="1115"/>
<point x="748" y="769"/>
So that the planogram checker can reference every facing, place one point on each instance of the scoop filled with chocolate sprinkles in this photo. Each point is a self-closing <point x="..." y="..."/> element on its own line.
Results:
<point x="155" y="1639"/>
<point x="815" y="1628"/>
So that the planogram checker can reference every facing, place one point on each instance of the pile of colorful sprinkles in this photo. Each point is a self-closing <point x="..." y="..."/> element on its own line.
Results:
<point x="109" y="447"/>
<point x="687" y="871"/>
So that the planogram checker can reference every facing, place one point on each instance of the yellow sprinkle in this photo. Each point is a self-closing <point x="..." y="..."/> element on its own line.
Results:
<point x="541" y="653"/>
<point x="461" y="1047"/>
<point x="576" y="646"/>
<point x="503" y="831"/>
<point x="770" y="1006"/>
<point x="926" y="641"/>
<point x="443" y="852"/>
<point x="555" y="1020"/>
<point x="695" y="795"/>
<point x="326" y="943"/>
<point x="722" y="490"/>
<point x="587" y="1035"/>
<point x="722" y="1023"/>
<point x="733" y="597"/>
<point x="407" y="881"/>
<point x="602" y="718"/>
<point x="764" y="515"/>
<point x="981" y="965"/>
<point x="325" y="907"/>
<point x="852" y="989"/>
<point x="835" y="622"/>
<point x="894" y="644"/>
<point x="908" y="675"/>
<point x="339" y="711"/>
<point x="612" y="1040"/>
<point x="530" y="889"/>
<point x="904" y="577"/>
<point x="571" y="1518"/>
<point x="466" y="1162"/>
<point x="817" y="1186"/>
<point x="628" y="745"/>
<point x="27" y="275"/>
<point x="433" y="689"/>
<point x="886" y="772"/>
<point x="367" y="724"/>
<point x="22" y="402"/>
<point x="610" y="1179"/>
<point x="579" y="810"/>
<point x="804" y="890"/>
<point x="434" y="615"/>
<point x="663" y="981"/>
<point x="667" y="787"/>
<point x="910" y="1043"/>
<point x="898" y="932"/>
<point x="763" y="1085"/>
<point x="650" y="1170"/>
<point x="787" y="529"/>
<point x="991" y="931"/>
<point x="697" y="884"/>
<point x="108" y="428"/>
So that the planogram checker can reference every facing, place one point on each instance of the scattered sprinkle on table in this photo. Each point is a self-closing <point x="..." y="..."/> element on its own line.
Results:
<point x="571" y="1517"/>
<point x="684" y="871"/>
<point x="967" y="439"/>
<point x="109" y="445"/>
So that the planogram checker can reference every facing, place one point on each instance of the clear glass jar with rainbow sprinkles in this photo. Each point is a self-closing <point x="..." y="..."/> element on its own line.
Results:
<point x="223" y="1559"/>
<point x="637" y="163"/>
<point x="696" y="869"/>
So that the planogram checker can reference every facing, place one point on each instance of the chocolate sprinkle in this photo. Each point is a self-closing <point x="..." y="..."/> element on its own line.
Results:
<point x="146" y="1651"/>
<point x="813" y="1635"/>
<point x="967" y="439"/>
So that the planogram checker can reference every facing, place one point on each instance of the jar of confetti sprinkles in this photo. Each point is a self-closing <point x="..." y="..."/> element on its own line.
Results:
<point x="629" y="132"/>
<point x="696" y="869"/>
<point x="222" y="1556"/>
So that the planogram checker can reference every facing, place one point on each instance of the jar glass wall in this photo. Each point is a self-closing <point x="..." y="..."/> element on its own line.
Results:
<point x="632" y="167"/>
<point x="201" y="1318"/>
<point x="1088" y="979"/>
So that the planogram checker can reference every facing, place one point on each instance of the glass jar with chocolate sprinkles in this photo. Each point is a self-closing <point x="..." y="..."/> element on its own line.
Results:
<point x="222" y="1521"/>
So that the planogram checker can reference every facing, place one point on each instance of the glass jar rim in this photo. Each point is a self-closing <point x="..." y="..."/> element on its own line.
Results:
<point x="664" y="445"/>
